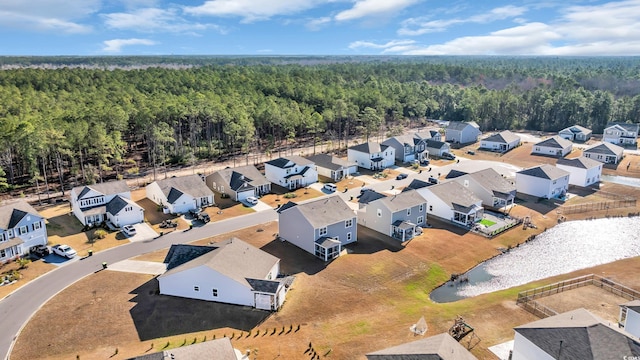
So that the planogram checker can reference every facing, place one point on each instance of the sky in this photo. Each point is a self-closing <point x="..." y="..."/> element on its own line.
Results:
<point x="320" y="27"/>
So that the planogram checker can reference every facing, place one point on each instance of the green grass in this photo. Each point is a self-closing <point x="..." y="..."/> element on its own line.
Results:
<point x="487" y="223"/>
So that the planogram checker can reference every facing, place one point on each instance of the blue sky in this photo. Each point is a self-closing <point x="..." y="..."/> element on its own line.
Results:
<point x="319" y="27"/>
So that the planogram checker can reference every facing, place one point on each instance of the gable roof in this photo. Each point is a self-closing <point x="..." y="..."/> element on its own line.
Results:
<point x="605" y="148"/>
<point x="402" y="201"/>
<point x="425" y="135"/>
<point x="325" y="211"/>
<point x="118" y="203"/>
<point x="454" y="194"/>
<point x="105" y="188"/>
<point x="555" y="141"/>
<point x="417" y="184"/>
<point x="370" y="195"/>
<point x="331" y="162"/>
<point x="633" y="305"/>
<point x="455" y="173"/>
<point x="503" y="137"/>
<point x="436" y="144"/>
<point x="242" y="176"/>
<point x="232" y="258"/>
<point x="461" y="125"/>
<point x="544" y="171"/>
<point x="218" y="349"/>
<point x="179" y="254"/>
<point x="369" y="147"/>
<point x="192" y="185"/>
<point x="626" y="126"/>
<point x="581" y="162"/>
<point x="438" y="347"/>
<point x="577" y="129"/>
<point x="492" y="181"/>
<point x="11" y="214"/>
<point x="289" y="161"/>
<point x="578" y="334"/>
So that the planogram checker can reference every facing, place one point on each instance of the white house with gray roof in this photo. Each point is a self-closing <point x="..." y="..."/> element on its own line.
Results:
<point x="437" y="148"/>
<point x="575" y="334"/>
<point x="231" y="271"/>
<point x="320" y="227"/>
<point x="500" y="142"/>
<point x="630" y="317"/>
<point x="372" y="155"/>
<point x="623" y="134"/>
<point x="453" y="202"/>
<point x="180" y="194"/>
<point x="543" y="181"/>
<point x="397" y="216"/>
<point x="553" y="146"/>
<point x="333" y="167"/>
<point x="494" y="190"/>
<point x="407" y="148"/>
<point x="605" y="152"/>
<point x="291" y="172"/>
<point x="575" y="133"/>
<point x="239" y="183"/>
<point x="584" y="171"/>
<point x="109" y="201"/>
<point x="21" y="228"/>
<point x="459" y="132"/>
<point x="437" y="347"/>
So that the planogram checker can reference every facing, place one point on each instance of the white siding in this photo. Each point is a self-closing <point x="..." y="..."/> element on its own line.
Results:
<point x="127" y="217"/>
<point x="632" y="323"/>
<point x="364" y="159"/>
<point x="435" y="205"/>
<point x="582" y="177"/>
<point x="543" y="150"/>
<point x="539" y="187"/>
<point x="524" y="349"/>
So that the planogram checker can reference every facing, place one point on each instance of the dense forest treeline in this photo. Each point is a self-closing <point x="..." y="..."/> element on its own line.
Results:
<point x="84" y="122"/>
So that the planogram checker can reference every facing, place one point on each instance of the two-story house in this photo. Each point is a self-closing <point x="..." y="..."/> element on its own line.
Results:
<point x="320" y="227"/>
<point x="553" y="146"/>
<point x="543" y="181"/>
<point x="494" y="190"/>
<point x="333" y="167"/>
<point x="239" y="183"/>
<point x="583" y="171"/>
<point x="437" y="149"/>
<point x="407" y="148"/>
<point x="109" y="201"/>
<point x="458" y="132"/>
<point x="291" y="172"/>
<point x="623" y="134"/>
<point x="21" y="228"/>
<point x="575" y="133"/>
<point x="372" y="155"/>
<point x="397" y="216"/>
<point x="179" y="195"/>
<point x="432" y="134"/>
<point x="453" y="202"/>
<point x="500" y="142"/>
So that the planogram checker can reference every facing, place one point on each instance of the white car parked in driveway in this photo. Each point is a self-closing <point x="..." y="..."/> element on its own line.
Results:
<point x="252" y="200"/>
<point x="129" y="230"/>
<point x="64" y="251"/>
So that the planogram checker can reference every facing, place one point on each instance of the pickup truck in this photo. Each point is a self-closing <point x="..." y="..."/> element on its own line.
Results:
<point x="200" y="215"/>
<point x="64" y="251"/>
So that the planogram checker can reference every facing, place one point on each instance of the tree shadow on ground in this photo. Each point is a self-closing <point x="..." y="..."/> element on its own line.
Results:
<point x="156" y="316"/>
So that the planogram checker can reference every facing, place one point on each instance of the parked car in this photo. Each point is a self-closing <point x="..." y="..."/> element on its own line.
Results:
<point x="448" y="156"/>
<point x="169" y="224"/>
<point x="129" y="230"/>
<point x="433" y="180"/>
<point x="64" y="251"/>
<point x="471" y="152"/>
<point x="200" y="215"/>
<point x="330" y="187"/>
<point x="424" y="162"/>
<point x="40" y="251"/>
<point x="401" y="176"/>
<point x="252" y="200"/>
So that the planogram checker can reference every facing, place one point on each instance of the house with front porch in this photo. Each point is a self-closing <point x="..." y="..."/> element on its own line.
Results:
<point x="437" y="149"/>
<point x="21" y="228"/>
<point x="108" y="201"/>
<point x="458" y="132"/>
<point x="320" y="227"/>
<point x="605" y="152"/>
<point x="291" y="172"/>
<point x="543" y="181"/>
<point x="179" y="195"/>
<point x="623" y="134"/>
<point x="629" y="318"/>
<point x="230" y="271"/>
<point x="407" y="148"/>
<point x="451" y="201"/>
<point x="583" y="171"/>
<point x="333" y="167"/>
<point x="494" y="190"/>
<point x="372" y="155"/>
<point x="397" y="216"/>
<point x="553" y="146"/>
<point x="575" y="133"/>
<point x="500" y="142"/>
<point x="239" y="183"/>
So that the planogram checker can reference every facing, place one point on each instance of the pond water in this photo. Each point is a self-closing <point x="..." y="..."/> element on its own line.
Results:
<point x="567" y="247"/>
<point x="624" y="180"/>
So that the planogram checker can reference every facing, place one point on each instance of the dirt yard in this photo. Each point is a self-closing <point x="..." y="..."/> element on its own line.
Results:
<point x="277" y="197"/>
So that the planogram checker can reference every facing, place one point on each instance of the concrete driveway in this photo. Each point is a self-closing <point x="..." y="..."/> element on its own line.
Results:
<point x="138" y="266"/>
<point x="143" y="232"/>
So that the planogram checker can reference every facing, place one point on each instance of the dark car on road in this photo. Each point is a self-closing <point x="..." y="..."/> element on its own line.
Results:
<point x="401" y="176"/>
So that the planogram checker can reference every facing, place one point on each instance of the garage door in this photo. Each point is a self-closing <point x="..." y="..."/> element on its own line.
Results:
<point x="245" y="194"/>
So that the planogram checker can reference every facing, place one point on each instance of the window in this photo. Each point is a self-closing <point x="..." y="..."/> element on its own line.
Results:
<point x="37" y="225"/>
<point x="348" y="236"/>
<point x="421" y="208"/>
<point x="420" y="220"/>
<point x="288" y="171"/>
<point x="196" y="288"/>
<point x="430" y="207"/>
<point x="3" y="253"/>
<point x="323" y="231"/>
<point x="537" y="148"/>
<point x="214" y="292"/>
<point x="408" y="211"/>
<point x="348" y="223"/>
<point x="23" y="230"/>
<point x="379" y="213"/>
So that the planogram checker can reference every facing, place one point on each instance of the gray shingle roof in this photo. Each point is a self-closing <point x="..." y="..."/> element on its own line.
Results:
<point x="219" y="349"/>
<point x="454" y="194"/>
<point x="241" y="177"/>
<point x="370" y="195"/>
<point x="492" y="181"/>
<point x="289" y="161"/>
<point x="416" y="184"/>
<point x="331" y="162"/>
<point x="12" y="213"/>
<point x="402" y="201"/>
<point x="436" y="144"/>
<point x="578" y="334"/>
<point x="192" y="185"/>
<point x="325" y="211"/>
<point x="605" y="148"/>
<point x="180" y="253"/>
<point x="555" y="142"/>
<point x="581" y="162"/>
<point x="460" y="125"/>
<point x="625" y="126"/>
<point x="369" y="147"/>
<point x="424" y="135"/>
<point x="265" y="286"/>
<point x="633" y="305"/>
<point x="118" y="203"/>
<point x="576" y="129"/>
<point x="106" y="188"/>
<point x="503" y="137"/>
<point x="438" y="347"/>
<point x="544" y="171"/>
<point x="233" y="258"/>
<point x="455" y="173"/>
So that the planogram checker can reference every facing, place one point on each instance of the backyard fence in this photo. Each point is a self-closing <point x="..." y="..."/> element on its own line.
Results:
<point x="527" y="299"/>
<point x="597" y="206"/>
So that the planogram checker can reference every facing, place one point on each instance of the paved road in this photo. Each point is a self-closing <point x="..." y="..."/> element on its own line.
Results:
<point x="17" y="308"/>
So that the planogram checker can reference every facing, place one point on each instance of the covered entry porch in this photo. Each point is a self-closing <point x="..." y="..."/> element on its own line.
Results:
<point x="403" y="230"/>
<point x="328" y="248"/>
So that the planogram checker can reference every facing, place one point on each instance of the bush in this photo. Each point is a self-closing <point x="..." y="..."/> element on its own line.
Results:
<point x="289" y="195"/>
<point x="99" y="234"/>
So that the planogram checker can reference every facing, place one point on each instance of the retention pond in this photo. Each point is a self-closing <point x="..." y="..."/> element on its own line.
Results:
<point x="567" y="247"/>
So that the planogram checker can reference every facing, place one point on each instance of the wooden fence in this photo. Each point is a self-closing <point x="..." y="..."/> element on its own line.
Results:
<point x="597" y="206"/>
<point x="527" y="299"/>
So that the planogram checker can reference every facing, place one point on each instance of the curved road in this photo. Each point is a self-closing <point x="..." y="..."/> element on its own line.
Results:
<point x="17" y="308"/>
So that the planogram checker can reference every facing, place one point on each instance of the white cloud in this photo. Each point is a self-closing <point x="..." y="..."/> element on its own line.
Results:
<point x="252" y="10"/>
<point x="422" y="25"/>
<point x="48" y="15"/>
<point x="317" y="24"/>
<point x="155" y="20"/>
<point x="116" y="45"/>
<point x="364" y="8"/>
<point x="372" y="45"/>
